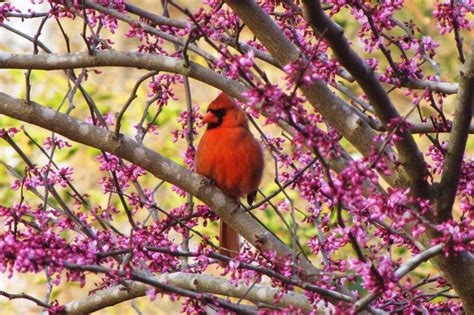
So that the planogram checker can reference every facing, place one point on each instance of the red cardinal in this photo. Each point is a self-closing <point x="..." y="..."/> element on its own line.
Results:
<point x="230" y="155"/>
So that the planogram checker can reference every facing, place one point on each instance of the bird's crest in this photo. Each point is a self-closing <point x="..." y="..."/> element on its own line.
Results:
<point x="223" y="101"/>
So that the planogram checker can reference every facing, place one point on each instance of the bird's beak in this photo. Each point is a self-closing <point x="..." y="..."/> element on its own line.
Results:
<point x="210" y="118"/>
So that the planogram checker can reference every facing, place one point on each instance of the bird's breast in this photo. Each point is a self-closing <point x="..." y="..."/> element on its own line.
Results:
<point x="233" y="158"/>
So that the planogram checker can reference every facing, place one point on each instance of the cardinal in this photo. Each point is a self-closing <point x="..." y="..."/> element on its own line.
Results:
<point x="229" y="154"/>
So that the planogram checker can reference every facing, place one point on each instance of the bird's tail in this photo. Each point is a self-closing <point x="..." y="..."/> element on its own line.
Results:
<point x="229" y="242"/>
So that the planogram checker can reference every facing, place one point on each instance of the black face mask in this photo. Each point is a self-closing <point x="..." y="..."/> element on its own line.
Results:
<point x="219" y="113"/>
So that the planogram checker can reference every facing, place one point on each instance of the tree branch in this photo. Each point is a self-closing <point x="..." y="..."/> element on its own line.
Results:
<point x="153" y="62"/>
<point x="121" y="59"/>
<point x="155" y="18"/>
<point x="404" y="269"/>
<point x="417" y="84"/>
<point x="195" y="282"/>
<point x="226" y="39"/>
<point x="334" y="110"/>
<point x="12" y="296"/>
<point x="457" y="141"/>
<point x="147" y="28"/>
<point x="165" y="287"/>
<point x="340" y="116"/>
<point x="435" y="86"/>
<point x="162" y="168"/>
<point x="422" y="127"/>
<point x="410" y="155"/>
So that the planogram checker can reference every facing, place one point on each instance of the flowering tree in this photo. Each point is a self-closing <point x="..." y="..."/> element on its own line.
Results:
<point x="370" y="176"/>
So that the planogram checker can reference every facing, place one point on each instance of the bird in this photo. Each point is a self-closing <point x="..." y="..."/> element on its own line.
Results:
<point x="232" y="158"/>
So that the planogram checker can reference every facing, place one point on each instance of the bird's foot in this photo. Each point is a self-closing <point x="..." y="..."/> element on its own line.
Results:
<point x="207" y="181"/>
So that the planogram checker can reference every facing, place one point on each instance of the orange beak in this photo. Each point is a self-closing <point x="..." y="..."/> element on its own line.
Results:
<point x="210" y="118"/>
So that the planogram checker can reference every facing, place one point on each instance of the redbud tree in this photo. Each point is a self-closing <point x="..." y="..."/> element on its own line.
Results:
<point x="364" y="109"/>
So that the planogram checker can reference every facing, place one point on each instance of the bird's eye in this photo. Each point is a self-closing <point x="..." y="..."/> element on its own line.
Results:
<point x="219" y="112"/>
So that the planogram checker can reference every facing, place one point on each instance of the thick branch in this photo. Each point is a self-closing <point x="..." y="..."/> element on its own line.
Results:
<point x="334" y="110"/>
<point x="143" y="61"/>
<point x="410" y="155"/>
<point x="195" y="282"/>
<point x="417" y="84"/>
<point x="162" y="168"/>
<point x="165" y="287"/>
<point x="337" y="114"/>
<point x="121" y="59"/>
<point x="457" y="141"/>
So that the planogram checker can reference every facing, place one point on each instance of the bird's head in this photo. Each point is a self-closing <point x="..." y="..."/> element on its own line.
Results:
<point x="224" y="112"/>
